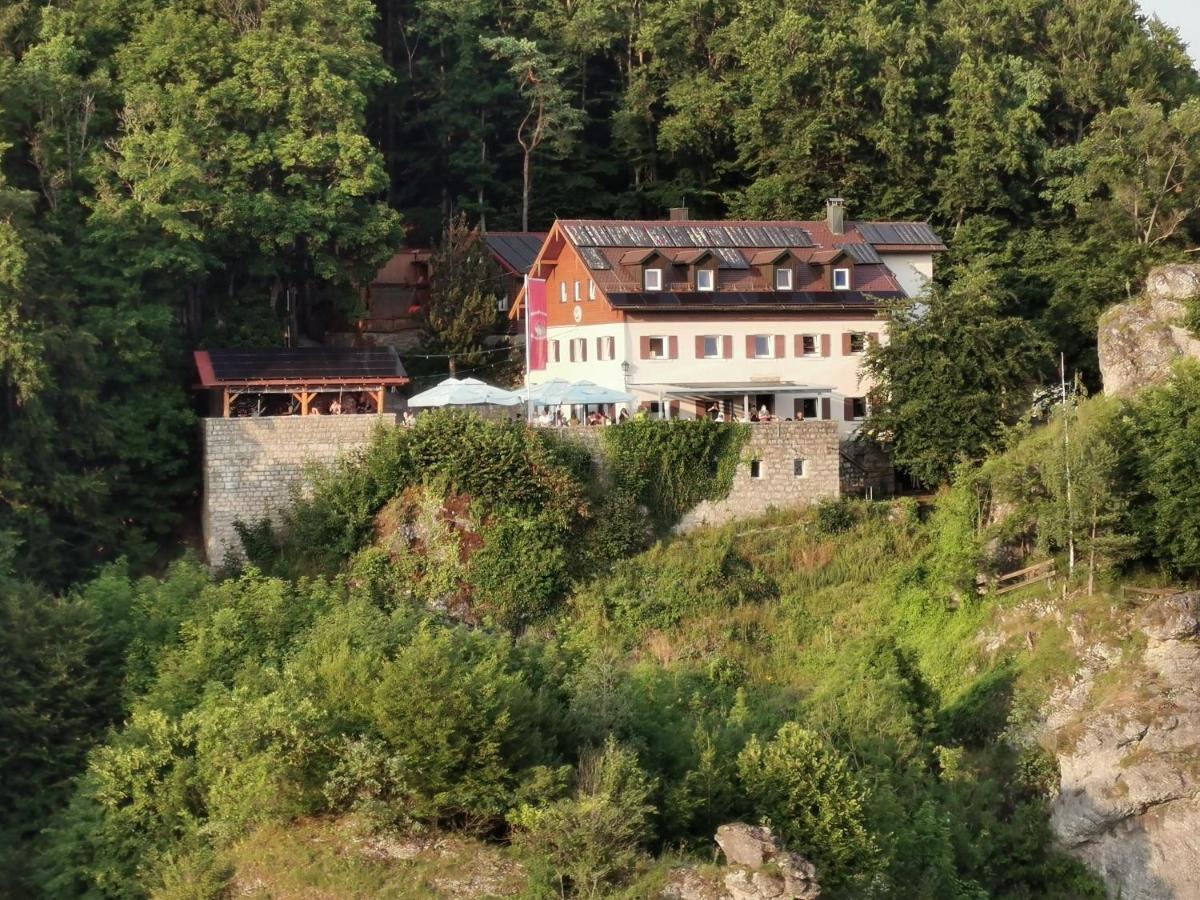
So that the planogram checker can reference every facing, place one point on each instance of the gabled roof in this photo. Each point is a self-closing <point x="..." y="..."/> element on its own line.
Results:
<point x="515" y="250"/>
<point x="691" y="257"/>
<point x="613" y="251"/>
<point x="824" y="257"/>
<point x="300" y="366"/>
<point x="638" y="256"/>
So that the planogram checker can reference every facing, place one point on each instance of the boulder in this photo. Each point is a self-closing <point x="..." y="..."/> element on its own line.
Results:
<point x="799" y="877"/>
<point x="746" y="845"/>
<point x="688" y="884"/>
<point x="1172" y="618"/>
<point x="1138" y="342"/>
<point x="1177" y="282"/>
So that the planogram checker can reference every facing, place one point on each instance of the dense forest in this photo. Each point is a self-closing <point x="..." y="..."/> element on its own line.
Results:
<point x="185" y="173"/>
<point x="177" y="172"/>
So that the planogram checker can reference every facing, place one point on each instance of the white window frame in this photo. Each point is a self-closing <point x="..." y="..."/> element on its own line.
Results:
<point x="657" y="279"/>
<point x="712" y="280"/>
<point x="717" y="340"/>
<point x="803" y="473"/>
<point x="843" y="275"/>
<point x="787" y="273"/>
<point x="578" y="292"/>
<point x="762" y="469"/>
<point x="591" y="288"/>
<point x="859" y="334"/>
<point x="816" y="341"/>
<point x="666" y="347"/>
<point x="866" y="409"/>
<point x="562" y="292"/>
<point x="770" y="339"/>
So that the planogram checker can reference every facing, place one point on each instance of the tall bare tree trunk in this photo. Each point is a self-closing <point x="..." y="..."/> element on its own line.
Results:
<point x="525" y="172"/>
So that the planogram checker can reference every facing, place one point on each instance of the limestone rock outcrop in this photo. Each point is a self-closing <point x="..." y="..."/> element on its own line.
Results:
<point x="1138" y="342"/>
<point x="1129" y="801"/>
<point x="760" y="869"/>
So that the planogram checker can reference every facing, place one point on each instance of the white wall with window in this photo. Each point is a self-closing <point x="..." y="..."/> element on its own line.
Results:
<point x="700" y="359"/>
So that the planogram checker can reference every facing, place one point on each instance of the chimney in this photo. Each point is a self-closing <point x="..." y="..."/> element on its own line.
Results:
<point x="679" y="214"/>
<point x="835" y="214"/>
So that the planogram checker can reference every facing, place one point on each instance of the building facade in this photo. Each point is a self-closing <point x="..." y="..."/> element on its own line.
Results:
<point x="729" y="318"/>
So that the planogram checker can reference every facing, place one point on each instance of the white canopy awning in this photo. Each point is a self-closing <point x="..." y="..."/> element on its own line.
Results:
<point x="464" y="392"/>
<point x="560" y="392"/>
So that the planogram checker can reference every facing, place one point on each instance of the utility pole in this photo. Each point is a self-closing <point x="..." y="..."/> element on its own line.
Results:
<point x="1062" y="374"/>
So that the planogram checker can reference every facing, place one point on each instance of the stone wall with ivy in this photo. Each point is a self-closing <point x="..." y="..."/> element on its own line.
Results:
<point x="782" y="464"/>
<point x="252" y="466"/>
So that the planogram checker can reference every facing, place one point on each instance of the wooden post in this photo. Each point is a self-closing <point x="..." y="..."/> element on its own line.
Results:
<point x="379" y="402"/>
<point x="226" y="401"/>
<point x="305" y="398"/>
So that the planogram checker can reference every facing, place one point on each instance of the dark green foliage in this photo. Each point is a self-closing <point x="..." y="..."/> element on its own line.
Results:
<point x="592" y="839"/>
<point x="809" y="793"/>
<point x="673" y="465"/>
<point x="1166" y="422"/>
<point x="465" y="284"/>
<point x="957" y="368"/>
<point x="499" y="466"/>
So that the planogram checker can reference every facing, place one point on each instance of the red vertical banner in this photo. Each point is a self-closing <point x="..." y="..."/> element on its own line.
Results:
<point x="536" y="322"/>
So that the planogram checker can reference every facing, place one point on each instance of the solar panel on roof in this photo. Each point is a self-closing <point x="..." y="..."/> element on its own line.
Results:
<point x="594" y="258"/>
<point x="730" y="258"/>
<point x="861" y="253"/>
<point x="687" y="234"/>
<point x="305" y="364"/>
<point x="898" y="233"/>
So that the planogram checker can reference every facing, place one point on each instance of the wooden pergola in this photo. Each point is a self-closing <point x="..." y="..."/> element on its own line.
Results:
<point x="301" y="373"/>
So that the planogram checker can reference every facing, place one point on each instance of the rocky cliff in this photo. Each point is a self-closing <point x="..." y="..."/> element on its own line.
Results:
<point x="1127" y="736"/>
<point x="1139" y="341"/>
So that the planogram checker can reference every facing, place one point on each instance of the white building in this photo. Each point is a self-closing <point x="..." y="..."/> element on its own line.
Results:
<point x="737" y="316"/>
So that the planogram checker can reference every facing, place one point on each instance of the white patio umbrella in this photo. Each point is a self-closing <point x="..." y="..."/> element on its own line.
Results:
<point x="560" y="392"/>
<point x="464" y="392"/>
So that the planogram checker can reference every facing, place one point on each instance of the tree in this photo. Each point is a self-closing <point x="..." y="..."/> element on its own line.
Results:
<point x="955" y="370"/>
<point x="1137" y="172"/>
<point x="807" y="791"/>
<point x="463" y="295"/>
<point x="594" y="838"/>
<point x="550" y="119"/>
<point x="1167" y="422"/>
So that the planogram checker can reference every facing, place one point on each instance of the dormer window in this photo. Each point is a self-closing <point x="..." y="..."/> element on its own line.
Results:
<point x="783" y="279"/>
<point x="705" y="280"/>
<point x="841" y="279"/>
<point x="652" y="280"/>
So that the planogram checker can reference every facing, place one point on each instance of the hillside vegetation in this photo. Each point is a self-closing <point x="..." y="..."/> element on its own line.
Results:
<point x="830" y="671"/>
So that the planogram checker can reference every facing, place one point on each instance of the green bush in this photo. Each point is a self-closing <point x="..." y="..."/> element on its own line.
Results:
<point x="808" y="792"/>
<point x="592" y="839"/>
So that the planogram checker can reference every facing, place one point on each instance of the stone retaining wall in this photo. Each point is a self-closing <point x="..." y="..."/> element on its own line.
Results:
<point x="252" y="466"/>
<point x="776" y="446"/>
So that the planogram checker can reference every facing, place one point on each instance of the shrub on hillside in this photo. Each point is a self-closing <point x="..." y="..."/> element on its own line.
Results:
<point x="592" y="839"/>
<point x="815" y="802"/>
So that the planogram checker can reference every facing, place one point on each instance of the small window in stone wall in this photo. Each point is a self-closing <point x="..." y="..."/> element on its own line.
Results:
<point x="756" y="468"/>
<point x="800" y="468"/>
